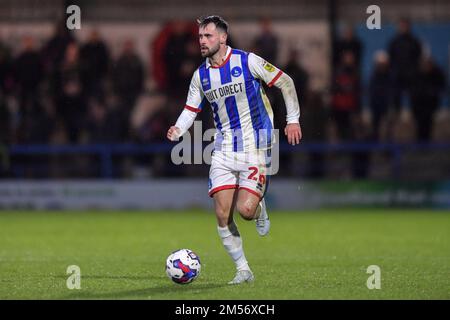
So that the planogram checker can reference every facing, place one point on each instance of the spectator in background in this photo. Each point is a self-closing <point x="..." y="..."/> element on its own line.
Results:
<point x="298" y="74"/>
<point x="149" y="121"/>
<point x="348" y="42"/>
<point x="150" y="117"/>
<point x="37" y="127"/>
<point x="301" y="81"/>
<point x="380" y="91"/>
<point x="158" y="49"/>
<point x="28" y="74"/>
<point x="54" y="50"/>
<point x="99" y="127"/>
<point x="426" y="94"/>
<point x="346" y="107"/>
<point x="128" y="75"/>
<point x="5" y="68"/>
<point x="94" y="58"/>
<point x="5" y="138"/>
<point x="360" y="159"/>
<point x="118" y="116"/>
<point x="157" y="53"/>
<point x="175" y="54"/>
<point x="70" y="99"/>
<point x="5" y="122"/>
<point x="315" y="120"/>
<point x="345" y="100"/>
<point x="405" y="52"/>
<point x="266" y="44"/>
<point x="190" y="62"/>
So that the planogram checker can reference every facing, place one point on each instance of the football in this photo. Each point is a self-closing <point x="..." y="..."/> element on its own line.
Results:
<point x="183" y="266"/>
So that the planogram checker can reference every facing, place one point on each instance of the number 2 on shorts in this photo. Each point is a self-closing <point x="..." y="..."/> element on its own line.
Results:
<point x="253" y="174"/>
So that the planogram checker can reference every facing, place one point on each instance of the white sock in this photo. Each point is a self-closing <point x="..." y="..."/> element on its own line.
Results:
<point x="232" y="243"/>
<point x="258" y="211"/>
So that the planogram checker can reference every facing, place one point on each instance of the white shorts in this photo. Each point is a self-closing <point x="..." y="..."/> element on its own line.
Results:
<point x="239" y="170"/>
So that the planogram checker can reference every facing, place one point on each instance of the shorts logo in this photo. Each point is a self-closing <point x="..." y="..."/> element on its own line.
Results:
<point x="269" y="67"/>
<point x="261" y="182"/>
<point x="236" y="71"/>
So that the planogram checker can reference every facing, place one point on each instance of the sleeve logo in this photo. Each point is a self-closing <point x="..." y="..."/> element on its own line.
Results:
<point x="269" y="67"/>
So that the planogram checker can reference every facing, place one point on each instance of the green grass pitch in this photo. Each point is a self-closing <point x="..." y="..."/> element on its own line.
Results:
<point x="307" y="255"/>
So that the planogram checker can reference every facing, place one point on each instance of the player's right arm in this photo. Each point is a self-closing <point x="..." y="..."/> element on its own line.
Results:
<point x="194" y="105"/>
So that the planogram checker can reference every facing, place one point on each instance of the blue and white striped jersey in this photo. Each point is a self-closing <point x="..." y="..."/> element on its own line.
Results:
<point x="242" y="112"/>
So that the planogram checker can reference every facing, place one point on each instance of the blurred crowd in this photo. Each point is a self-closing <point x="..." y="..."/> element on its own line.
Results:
<point x="66" y="92"/>
<point x="402" y="99"/>
<point x="69" y="92"/>
<point x="403" y="77"/>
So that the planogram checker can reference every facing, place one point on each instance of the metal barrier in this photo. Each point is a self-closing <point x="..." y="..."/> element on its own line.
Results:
<point x="107" y="151"/>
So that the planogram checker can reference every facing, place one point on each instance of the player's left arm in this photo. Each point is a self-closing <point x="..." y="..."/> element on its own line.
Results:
<point x="274" y="76"/>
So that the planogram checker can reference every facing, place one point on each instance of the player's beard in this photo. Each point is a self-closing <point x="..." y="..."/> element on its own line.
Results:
<point x="210" y="52"/>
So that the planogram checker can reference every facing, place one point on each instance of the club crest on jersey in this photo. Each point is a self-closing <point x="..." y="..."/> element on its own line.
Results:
<point x="269" y="67"/>
<point x="205" y="82"/>
<point x="236" y="71"/>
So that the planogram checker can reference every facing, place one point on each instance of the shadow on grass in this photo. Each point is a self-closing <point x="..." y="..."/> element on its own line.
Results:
<point x="113" y="277"/>
<point x="145" y="293"/>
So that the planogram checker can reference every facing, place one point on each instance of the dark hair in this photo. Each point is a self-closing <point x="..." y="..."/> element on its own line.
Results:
<point x="218" y="21"/>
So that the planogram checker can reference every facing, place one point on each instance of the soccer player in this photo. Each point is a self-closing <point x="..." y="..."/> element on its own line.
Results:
<point x="230" y="81"/>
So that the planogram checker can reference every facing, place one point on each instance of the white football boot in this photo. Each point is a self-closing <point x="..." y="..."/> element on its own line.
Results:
<point x="263" y="222"/>
<point x="242" y="276"/>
